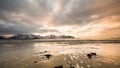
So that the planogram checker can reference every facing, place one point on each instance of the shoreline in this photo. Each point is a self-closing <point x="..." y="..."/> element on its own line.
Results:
<point x="62" y="40"/>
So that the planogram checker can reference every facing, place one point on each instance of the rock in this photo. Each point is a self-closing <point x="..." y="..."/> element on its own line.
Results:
<point x="89" y="56"/>
<point x="47" y="56"/>
<point x="94" y="54"/>
<point x="35" y="61"/>
<point x="60" y="66"/>
<point x="45" y="51"/>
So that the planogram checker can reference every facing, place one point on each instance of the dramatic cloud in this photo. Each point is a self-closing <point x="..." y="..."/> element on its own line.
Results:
<point x="86" y="19"/>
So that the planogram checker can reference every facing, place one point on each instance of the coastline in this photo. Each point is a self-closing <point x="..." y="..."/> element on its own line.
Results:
<point x="61" y="40"/>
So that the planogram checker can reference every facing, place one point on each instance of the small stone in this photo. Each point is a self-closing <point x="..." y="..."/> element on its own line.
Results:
<point x="35" y="61"/>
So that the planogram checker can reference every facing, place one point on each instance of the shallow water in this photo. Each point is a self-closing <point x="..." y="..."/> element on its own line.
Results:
<point x="31" y="55"/>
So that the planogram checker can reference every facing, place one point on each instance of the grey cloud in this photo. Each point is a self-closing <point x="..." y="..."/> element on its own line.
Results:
<point x="24" y="6"/>
<point x="64" y="12"/>
<point x="86" y="8"/>
<point x="10" y="10"/>
<point x="70" y="11"/>
<point x="15" y="27"/>
<point x="13" y="5"/>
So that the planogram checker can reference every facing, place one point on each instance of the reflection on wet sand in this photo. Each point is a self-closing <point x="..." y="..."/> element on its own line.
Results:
<point x="59" y="55"/>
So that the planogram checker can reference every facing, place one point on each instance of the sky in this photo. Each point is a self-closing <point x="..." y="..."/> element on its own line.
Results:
<point x="84" y="19"/>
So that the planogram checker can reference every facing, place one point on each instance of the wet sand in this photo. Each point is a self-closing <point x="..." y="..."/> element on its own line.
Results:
<point x="32" y="55"/>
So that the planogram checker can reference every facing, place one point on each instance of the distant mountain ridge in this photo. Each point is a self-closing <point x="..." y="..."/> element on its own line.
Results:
<point x="2" y="37"/>
<point x="30" y="36"/>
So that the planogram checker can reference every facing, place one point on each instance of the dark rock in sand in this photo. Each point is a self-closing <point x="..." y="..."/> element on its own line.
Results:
<point x="89" y="56"/>
<point x="35" y="61"/>
<point x="47" y="56"/>
<point x="94" y="54"/>
<point x="45" y="51"/>
<point x="60" y="66"/>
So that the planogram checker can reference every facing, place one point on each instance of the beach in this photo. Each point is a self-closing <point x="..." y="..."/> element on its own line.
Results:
<point x="32" y="55"/>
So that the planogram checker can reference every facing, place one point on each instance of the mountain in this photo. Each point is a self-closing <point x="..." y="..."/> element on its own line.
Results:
<point x="30" y="36"/>
<point x="1" y="37"/>
<point x="63" y="36"/>
<point x="23" y="36"/>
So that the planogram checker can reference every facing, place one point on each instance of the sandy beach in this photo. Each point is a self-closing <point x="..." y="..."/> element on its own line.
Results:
<point x="32" y="55"/>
